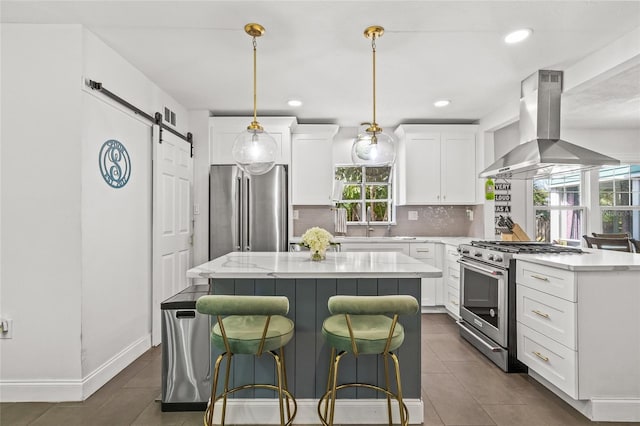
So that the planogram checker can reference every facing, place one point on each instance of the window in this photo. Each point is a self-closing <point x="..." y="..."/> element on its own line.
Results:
<point x="619" y="190"/>
<point x="558" y="209"/>
<point x="366" y="187"/>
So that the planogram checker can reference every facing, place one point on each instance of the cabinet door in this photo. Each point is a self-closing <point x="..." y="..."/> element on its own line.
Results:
<point x="459" y="180"/>
<point x="422" y="174"/>
<point x="223" y="132"/>
<point x="312" y="165"/>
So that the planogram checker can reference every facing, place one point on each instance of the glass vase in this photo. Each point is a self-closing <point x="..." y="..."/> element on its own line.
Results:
<point x="318" y="255"/>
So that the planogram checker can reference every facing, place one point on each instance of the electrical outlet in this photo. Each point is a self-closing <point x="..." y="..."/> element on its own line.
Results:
<point x="196" y="209"/>
<point x="413" y="215"/>
<point x="6" y="328"/>
<point x="296" y="214"/>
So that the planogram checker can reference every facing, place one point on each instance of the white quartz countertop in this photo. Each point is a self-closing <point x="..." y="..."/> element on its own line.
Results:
<point x="444" y="240"/>
<point x="300" y="265"/>
<point x="590" y="260"/>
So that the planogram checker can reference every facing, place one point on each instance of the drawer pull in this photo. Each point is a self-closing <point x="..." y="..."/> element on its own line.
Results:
<point x="538" y="277"/>
<point x="422" y="250"/>
<point x="542" y="357"/>
<point x="542" y="314"/>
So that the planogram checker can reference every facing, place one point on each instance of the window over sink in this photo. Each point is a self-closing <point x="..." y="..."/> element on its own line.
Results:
<point x="366" y="187"/>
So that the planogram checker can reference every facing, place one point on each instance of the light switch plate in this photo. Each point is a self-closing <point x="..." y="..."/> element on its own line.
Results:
<point x="7" y="329"/>
<point x="413" y="215"/>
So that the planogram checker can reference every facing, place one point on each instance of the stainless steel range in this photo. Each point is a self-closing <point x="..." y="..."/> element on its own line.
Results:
<point x="488" y="299"/>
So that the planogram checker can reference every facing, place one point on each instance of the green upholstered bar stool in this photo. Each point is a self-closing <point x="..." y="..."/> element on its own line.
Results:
<point x="249" y="325"/>
<point x="365" y="325"/>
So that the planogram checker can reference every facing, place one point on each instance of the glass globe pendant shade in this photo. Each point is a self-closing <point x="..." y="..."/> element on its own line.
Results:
<point x="371" y="149"/>
<point x="254" y="151"/>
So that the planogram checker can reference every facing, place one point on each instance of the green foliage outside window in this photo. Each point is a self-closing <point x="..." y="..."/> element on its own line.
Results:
<point x="366" y="187"/>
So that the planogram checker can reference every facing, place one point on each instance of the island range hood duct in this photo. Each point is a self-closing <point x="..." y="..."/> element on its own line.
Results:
<point x="541" y="151"/>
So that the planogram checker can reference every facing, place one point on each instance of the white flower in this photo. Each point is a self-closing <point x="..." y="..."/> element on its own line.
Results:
<point x="317" y="239"/>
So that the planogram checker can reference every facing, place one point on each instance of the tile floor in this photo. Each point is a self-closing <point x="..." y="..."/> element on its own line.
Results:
<point x="459" y="387"/>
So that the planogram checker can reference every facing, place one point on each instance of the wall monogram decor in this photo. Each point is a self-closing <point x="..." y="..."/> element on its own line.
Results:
<point x="115" y="163"/>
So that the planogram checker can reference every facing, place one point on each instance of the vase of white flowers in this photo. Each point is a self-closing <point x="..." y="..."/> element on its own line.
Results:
<point x="317" y="240"/>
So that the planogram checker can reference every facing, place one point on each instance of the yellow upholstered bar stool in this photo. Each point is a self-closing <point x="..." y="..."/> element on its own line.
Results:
<point x="249" y="325"/>
<point x="365" y="325"/>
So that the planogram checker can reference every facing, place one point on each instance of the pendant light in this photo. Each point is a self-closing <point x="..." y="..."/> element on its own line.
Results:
<point x="373" y="147"/>
<point x="254" y="150"/>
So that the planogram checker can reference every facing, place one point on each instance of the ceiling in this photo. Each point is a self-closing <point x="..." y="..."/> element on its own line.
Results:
<point x="315" y="51"/>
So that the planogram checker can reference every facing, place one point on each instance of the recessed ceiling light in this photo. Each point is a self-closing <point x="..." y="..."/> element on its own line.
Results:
<point x="442" y="103"/>
<point x="517" y="36"/>
<point x="294" y="103"/>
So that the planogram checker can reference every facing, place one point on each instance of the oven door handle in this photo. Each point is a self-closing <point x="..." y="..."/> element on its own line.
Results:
<point x="479" y="268"/>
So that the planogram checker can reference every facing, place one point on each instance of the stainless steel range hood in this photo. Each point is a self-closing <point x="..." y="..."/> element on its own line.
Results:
<point x="541" y="151"/>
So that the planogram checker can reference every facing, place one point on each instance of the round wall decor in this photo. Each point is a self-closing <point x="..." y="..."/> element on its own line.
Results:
<point x="115" y="163"/>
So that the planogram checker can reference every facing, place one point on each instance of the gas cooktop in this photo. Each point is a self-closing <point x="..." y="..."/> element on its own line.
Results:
<point x="524" y="247"/>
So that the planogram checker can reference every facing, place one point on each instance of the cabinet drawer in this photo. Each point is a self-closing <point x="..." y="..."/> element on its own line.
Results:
<point x="451" y="253"/>
<point x="452" y="275"/>
<point x="557" y="282"/>
<point x="423" y="250"/>
<point x="548" y="315"/>
<point x="452" y="301"/>
<point x="550" y="359"/>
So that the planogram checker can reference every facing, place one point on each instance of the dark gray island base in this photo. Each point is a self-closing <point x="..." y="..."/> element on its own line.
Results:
<point x="308" y="286"/>
<point x="307" y="356"/>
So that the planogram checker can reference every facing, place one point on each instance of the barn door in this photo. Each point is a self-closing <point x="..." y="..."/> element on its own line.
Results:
<point x="172" y="220"/>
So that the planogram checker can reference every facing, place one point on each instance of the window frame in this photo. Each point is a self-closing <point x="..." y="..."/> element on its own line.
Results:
<point x="582" y="207"/>
<point x="617" y="207"/>
<point x="363" y="201"/>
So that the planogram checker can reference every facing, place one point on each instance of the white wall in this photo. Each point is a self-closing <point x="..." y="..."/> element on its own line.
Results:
<point x="41" y="215"/>
<point x="76" y="258"/>
<point x="199" y="127"/>
<point x="622" y="144"/>
<point x="504" y="140"/>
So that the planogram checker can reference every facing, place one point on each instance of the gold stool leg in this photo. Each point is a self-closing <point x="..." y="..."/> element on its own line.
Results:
<point x="208" y="414"/>
<point x="333" y="387"/>
<point x="403" y="421"/>
<point x="286" y="384"/>
<point x="280" y="393"/>
<point x="329" y="381"/>
<point x="387" y="386"/>
<point x="226" y="388"/>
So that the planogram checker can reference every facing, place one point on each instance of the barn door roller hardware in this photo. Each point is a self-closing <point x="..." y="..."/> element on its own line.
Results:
<point x="156" y="119"/>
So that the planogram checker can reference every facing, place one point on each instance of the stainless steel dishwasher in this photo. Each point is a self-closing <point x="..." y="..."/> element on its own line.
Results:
<point x="186" y="352"/>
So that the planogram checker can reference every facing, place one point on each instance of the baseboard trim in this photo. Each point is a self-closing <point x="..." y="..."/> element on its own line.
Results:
<point x="72" y="390"/>
<point x="107" y="371"/>
<point x="597" y="409"/>
<point x="348" y="411"/>
<point x="40" y="391"/>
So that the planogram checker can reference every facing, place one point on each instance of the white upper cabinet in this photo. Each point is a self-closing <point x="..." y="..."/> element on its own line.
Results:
<point x="312" y="164"/>
<point x="436" y="164"/>
<point x="223" y="132"/>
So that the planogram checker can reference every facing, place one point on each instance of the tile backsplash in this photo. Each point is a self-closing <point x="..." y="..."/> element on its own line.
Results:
<point x="432" y="221"/>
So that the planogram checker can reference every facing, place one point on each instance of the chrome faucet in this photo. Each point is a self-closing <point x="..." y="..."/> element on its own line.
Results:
<point x="368" y="215"/>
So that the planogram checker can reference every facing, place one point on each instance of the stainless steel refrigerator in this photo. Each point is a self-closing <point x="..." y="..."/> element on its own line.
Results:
<point x="247" y="213"/>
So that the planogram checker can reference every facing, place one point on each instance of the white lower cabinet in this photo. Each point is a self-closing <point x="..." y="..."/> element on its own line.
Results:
<point x="579" y="334"/>
<point x="434" y="292"/>
<point x="432" y="288"/>
<point x="451" y="275"/>
<point x="374" y="246"/>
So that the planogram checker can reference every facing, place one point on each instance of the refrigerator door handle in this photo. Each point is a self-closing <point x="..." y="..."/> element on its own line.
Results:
<point x="238" y="191"/>
<point x="248" y="211"/>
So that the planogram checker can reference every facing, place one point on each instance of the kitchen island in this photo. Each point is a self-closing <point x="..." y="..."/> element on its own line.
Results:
<point x="578" y="326"/>
<point x="308" y="285"/>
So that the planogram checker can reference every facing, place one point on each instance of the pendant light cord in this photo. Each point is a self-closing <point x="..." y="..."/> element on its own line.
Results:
<point x="373" y="48"/>
<point x="255" y="113"/>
